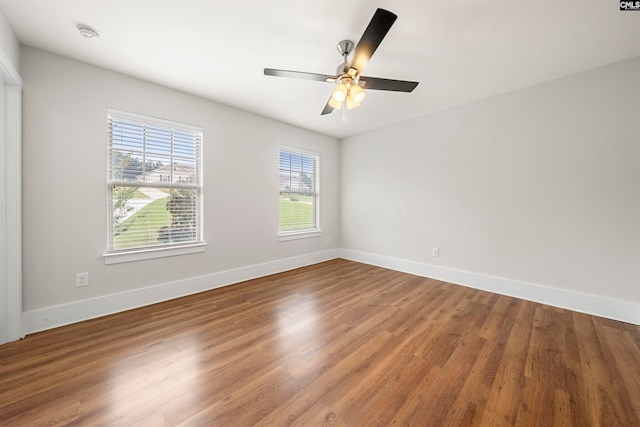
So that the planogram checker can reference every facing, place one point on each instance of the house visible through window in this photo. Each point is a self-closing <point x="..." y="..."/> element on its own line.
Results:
<point x="154" y="182"/>
<point x="299" y="193"/>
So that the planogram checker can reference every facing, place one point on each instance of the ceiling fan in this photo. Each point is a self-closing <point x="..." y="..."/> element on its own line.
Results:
<point x="350" y="83"/>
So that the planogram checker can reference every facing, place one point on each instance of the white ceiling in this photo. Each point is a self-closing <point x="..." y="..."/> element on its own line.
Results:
<point x="459" y="51"/>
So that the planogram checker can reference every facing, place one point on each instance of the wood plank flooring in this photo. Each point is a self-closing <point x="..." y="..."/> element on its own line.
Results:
<point x="333" y="344"/>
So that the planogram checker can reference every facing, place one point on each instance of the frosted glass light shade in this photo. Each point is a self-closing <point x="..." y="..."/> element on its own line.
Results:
<point x="357" y="93"/>
<point x="335" y="104"/>
<point x="351" y="103"/>
<point x="339" y="93"/>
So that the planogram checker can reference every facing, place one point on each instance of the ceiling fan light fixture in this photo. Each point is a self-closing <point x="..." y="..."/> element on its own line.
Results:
<point x="351" y="103"/>
<point x="335" y="104"/>
<point x="340" y="93"/>
<point x="357" y="93"/>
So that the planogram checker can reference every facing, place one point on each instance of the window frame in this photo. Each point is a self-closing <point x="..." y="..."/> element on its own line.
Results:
<point x="316" y="231"/>
<point x="111" y="255"/>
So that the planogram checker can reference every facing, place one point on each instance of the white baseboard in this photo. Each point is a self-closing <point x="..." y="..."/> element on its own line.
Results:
<point x="78" y="311"/>
<point x="585" y="303"/>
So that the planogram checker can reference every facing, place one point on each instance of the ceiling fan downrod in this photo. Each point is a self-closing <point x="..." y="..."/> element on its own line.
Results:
<point x="345" y="47"/>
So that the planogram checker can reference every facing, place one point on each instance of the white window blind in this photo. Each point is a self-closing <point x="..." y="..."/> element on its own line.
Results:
<point x="154" y="183"/>
<point x="299" y="193"/>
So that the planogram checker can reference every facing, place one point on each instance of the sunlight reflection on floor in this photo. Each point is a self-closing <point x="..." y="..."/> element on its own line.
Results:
<point x="297" y="323"/>
<point x="146" y="375"/>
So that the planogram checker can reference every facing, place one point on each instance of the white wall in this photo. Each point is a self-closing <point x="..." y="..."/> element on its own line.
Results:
<point x="65" y="192"/>
<point x="534" y="190"/>
<point x="540" y="186"/>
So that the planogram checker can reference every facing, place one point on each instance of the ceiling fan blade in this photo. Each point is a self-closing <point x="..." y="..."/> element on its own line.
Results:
<point x="371" y="38"/>
<point x="377" y="83"/>
<point x="300" y="75"/>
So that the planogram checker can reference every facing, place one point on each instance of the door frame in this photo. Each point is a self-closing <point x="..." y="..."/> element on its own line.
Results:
<point x="10" y="202"/>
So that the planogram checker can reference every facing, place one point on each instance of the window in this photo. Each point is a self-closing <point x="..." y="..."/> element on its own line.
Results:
<point x="154" y="183"/>
<point x="299" y="193"/>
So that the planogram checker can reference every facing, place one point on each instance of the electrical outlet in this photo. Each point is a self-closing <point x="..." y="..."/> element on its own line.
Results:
<point x="435" y="252"/>
<point x="82" y="279"/>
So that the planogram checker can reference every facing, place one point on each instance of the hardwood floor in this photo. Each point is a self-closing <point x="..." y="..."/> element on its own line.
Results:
<point x="337" y="343"/>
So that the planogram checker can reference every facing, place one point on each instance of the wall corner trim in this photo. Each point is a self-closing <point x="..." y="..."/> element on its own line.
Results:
<point x="78" y="311"/>
<point x="8" y="72"/>
<point x="596" y="305"/>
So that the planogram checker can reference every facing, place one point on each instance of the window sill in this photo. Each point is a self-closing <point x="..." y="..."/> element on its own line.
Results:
<point x="299" y="235"/>
<point x="143" y="254"/>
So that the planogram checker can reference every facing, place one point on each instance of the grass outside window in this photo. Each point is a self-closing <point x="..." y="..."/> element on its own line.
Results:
<point x="296" y="212"/>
